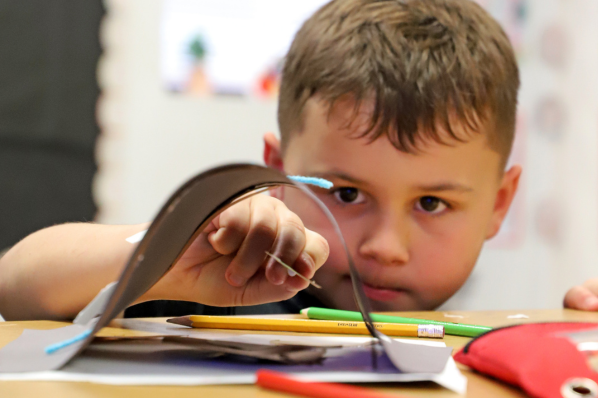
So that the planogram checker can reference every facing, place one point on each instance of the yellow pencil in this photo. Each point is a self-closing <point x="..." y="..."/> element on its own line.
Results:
<point x="308" y="326"/>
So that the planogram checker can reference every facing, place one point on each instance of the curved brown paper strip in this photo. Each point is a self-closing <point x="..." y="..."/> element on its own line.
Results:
<point x="186" y="213"/>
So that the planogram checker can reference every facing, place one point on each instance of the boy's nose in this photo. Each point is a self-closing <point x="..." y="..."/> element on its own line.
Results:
<point x="387" y="242"/>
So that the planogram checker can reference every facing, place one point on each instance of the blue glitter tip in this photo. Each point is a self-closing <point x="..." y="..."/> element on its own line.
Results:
<point x="52" y="348"/>
<point x="319" y="182"/>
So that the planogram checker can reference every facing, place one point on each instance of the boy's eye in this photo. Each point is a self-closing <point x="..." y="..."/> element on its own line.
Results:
<point x="349" y="195"/>
<point x="431" y="204"/>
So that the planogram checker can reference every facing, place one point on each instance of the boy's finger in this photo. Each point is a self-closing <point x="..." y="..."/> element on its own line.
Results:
<point x="251" y="255"/>
<point x="261" y="290"/>
<point x="581" y="298"/>
<point x="288" y="245"/>
<point x="232" y="227"/>
<point x="314" y="255"/>
<point x="317" y="247"/>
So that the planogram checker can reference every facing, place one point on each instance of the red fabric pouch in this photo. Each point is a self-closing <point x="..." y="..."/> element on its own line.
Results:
<point x="536" y="357"/>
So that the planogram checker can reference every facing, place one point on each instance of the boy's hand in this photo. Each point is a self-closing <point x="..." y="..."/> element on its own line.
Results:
<point x="227" y="264"/>
<point x="583" y="297"/>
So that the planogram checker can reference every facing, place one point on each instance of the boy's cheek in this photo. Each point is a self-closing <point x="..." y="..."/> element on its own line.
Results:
<point x="441" y="267"/>
<point x="444" y="288"/>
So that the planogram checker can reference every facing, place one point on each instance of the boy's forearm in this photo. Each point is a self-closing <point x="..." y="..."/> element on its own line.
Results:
<point x="53" y="273"/>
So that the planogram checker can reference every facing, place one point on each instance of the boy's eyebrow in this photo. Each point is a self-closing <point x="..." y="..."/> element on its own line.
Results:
<point x="445" y="186"/>
<point x="340" y="175"/>
<point x="437" y="187"/>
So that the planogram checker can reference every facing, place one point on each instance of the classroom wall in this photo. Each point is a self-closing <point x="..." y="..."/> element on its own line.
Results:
<point x="153" y="140"/>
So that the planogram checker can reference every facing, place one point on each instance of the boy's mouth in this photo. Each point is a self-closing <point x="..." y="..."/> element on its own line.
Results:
<point x="381" y="293"/>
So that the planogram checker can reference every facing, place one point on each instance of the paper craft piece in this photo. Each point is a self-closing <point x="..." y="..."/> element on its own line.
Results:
<point x="28" y="350"/>
<point x="415" y="359"/>
<point x="147" y="362"/>
<point x="188" y="211"/>
<point x="289" y="354"/>
<point x="449" y="377"/>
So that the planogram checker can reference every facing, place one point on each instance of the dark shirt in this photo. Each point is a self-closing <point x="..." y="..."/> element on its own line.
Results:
<point x="165" y="308"/>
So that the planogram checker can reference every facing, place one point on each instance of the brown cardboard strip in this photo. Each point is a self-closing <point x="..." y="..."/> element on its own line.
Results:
<point x="186" y="213"/>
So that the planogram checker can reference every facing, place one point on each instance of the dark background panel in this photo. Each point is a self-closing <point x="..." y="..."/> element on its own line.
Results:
<point x="48" y="91"/>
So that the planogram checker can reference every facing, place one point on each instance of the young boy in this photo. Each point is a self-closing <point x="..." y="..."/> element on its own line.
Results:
<point x="408" y="107"/>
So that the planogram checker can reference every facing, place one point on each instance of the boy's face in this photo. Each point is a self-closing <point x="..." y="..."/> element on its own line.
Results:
<point x="414" y="223"/>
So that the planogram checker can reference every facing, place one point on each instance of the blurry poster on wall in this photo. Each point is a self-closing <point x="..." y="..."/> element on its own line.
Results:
<point x="236" y="47"/>
<point x="228" y="47"/>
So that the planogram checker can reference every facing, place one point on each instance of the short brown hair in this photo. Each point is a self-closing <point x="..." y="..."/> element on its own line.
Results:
<point x="423" y="62"/>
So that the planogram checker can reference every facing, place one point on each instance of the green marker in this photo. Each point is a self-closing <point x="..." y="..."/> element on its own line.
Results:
<point x="456" y="329"/>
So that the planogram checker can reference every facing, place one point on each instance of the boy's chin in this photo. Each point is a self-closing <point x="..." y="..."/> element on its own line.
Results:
<point x="403" y="301"/>
<point x="338" y="293"/>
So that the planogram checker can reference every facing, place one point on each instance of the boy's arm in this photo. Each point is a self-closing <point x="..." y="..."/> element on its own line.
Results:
<point x="55" y="272"/>
<point x="583" y="297"/>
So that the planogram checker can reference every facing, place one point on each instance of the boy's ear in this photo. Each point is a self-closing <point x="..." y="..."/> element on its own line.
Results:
<point x="272" y="154"/>
<point x="504" y="198"/>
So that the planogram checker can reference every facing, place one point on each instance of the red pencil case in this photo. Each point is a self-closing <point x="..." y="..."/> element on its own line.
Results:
<point x="536" y="357"/>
